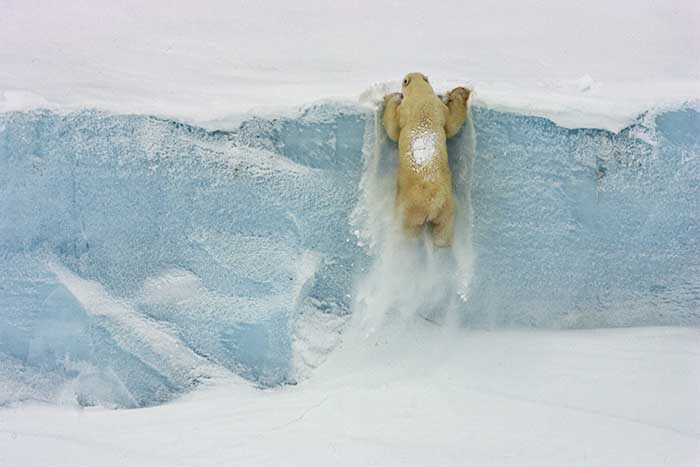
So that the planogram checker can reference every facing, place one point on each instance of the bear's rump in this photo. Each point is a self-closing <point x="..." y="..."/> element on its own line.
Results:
<point x="423" y="200"/>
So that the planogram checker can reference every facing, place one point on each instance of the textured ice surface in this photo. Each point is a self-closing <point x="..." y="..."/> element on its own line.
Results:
<point x="139" y="255"/>
<point x="586" y="227"/>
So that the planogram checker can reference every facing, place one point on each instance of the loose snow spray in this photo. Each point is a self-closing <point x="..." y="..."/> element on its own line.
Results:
<point x="406" y="278"/>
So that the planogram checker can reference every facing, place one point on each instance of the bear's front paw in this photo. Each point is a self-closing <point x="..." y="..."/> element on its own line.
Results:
<point x="459" y="94"/>
<point x="397" y="96"/>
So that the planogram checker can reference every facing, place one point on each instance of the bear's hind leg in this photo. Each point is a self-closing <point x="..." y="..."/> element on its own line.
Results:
<point x="443" y="225"/>
<point x="414" y="219"/>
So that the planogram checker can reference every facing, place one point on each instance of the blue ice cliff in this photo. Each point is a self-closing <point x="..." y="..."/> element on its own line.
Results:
<point x="141" y="256"/>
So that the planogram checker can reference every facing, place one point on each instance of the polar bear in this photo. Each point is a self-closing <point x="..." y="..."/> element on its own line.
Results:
<point x="421" y="123"/>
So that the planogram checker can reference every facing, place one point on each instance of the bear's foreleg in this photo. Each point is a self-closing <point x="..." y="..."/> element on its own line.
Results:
<point x="457" y="110"/>
<point x="391" y="115"/>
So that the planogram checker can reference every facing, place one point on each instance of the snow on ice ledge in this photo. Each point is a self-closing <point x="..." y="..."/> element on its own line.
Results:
<point x="140" y="256"/>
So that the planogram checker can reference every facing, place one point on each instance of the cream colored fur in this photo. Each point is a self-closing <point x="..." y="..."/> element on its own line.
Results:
<point x="421" y="123"/>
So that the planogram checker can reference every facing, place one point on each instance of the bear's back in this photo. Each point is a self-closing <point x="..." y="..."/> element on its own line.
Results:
<point x="423" y="111"/>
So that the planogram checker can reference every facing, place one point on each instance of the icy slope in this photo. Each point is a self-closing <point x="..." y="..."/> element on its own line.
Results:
<point x="142" y="256"/>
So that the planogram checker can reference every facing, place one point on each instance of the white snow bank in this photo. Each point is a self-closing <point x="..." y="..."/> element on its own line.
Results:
<point x="596" y="63"/>
<point x="424" y="396"/>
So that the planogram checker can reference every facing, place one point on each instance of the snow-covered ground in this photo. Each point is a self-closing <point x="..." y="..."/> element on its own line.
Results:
<point x="593" y="64"/>
<point x="423" y="395"/>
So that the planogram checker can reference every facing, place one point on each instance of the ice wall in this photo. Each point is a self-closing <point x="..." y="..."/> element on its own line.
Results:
<point x="140" y="256"/>
<point x="585" y="227"/>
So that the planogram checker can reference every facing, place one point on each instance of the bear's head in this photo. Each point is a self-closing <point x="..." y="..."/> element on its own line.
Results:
<point x="416" y="84"/>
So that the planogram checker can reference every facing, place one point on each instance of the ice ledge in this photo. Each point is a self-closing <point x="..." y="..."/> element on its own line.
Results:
<point x="580" y="103"/>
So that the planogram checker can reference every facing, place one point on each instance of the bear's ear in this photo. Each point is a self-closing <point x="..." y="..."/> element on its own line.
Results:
<point x="426" y="79"/>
